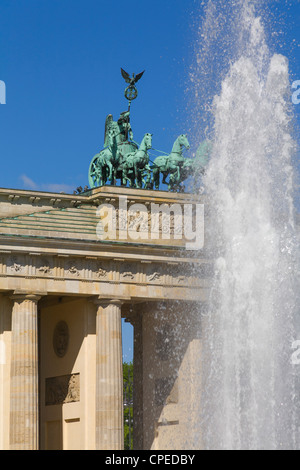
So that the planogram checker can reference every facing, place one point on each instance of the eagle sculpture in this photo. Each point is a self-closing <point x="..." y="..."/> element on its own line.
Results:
<point x="131" y="80"/>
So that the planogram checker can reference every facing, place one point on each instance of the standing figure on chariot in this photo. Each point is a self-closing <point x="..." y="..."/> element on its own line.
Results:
<point x="116" y="133"/>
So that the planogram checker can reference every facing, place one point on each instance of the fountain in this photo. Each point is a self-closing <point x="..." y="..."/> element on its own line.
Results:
<point x="249" y="392"/>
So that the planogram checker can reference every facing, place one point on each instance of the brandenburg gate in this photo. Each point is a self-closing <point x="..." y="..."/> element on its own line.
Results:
<point x="70" y="270"/>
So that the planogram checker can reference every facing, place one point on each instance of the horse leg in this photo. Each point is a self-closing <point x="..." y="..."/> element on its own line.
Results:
<point x="110" y="169"/>
<point x="113" y="175"/>
<point x="149" y="184"/>
<point x="98" y="176"/>
<point x="131" y="180"/>
<point x="148" y="179"/>
<point x="139" y="182"/>
<point x="141" y="174"/>
<point x="177" y="175"/>
<point x="125" y="176"/>
<point x="137" y="176"/>
<point x="165" y="174"/>
<point x="102" y="176"/>
<point x="154" y="181"/>
<point x="171" y="185"/>
<point x="128" y="177"/>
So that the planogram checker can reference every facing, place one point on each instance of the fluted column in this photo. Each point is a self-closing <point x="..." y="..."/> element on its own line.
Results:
<point x="109" y="376"/>
<point x="24" y="374"/>
<point x="5" y="325"/>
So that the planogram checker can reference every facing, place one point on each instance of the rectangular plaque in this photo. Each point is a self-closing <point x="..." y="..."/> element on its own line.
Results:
<point x="62" y="389"/>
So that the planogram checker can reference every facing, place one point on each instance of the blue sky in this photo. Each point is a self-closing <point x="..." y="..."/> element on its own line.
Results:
<point x="61" y="59"/>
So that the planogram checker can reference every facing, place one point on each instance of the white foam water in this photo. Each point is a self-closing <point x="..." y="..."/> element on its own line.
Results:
<point x="249" y="399"/>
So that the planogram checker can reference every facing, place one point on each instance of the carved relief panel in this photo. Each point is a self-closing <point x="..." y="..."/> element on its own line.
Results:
<point x="62" y="389"/>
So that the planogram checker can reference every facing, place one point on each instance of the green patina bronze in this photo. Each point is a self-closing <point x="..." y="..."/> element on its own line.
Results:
<point x="107" y="164"/>
<point x="131" y="92"/>
<point x="170" y="165"/>
<point x="136" y="165"/>
<point x="124" y="160"/>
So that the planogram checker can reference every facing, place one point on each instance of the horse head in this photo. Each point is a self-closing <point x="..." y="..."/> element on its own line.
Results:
<point x="148" y="140"/>
<point x="183" y="141"/>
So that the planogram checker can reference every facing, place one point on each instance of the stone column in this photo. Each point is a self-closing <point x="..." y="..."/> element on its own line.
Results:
<point x="5" y="325"/>
<point x="2" y="369"/>
<point x="24" y="374"/>
<point x="109" y="376"/>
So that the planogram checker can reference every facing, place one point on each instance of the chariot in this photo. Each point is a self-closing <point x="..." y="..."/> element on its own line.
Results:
<point x="99" y="170"/>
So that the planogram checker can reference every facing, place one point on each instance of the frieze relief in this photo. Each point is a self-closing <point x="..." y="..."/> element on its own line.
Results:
<point x="154" y="276"/>
<point x="43" y="266"/>
<point x="16" y="265"/>
<point x="62" y="389"/>
<point x="91" y="270"/>
<point x="73" y="270"/>
<point x="101" y="273"/>
<point x="128" y="272"/>
<point x="153" y="273"/>
<point x="73" y="267"/>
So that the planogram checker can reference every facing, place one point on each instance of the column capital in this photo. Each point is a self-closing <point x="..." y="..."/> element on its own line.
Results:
<point x="20" y="297"/>
<point x="119" y="301"/>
